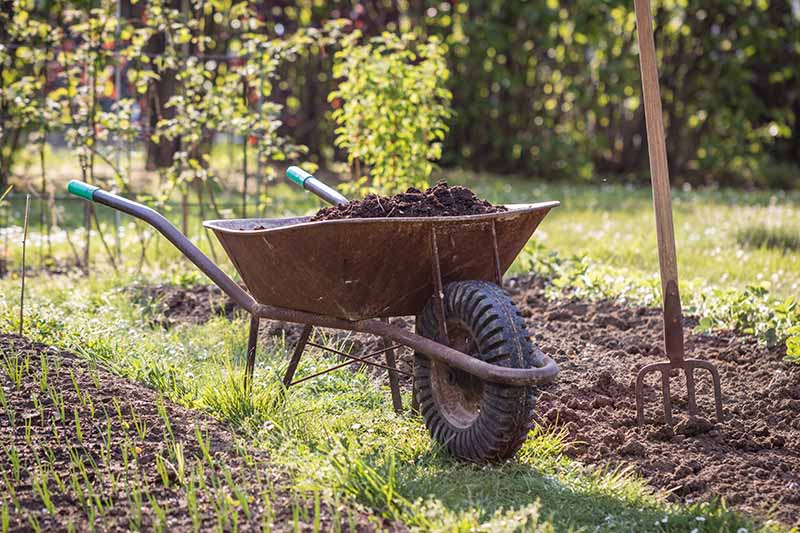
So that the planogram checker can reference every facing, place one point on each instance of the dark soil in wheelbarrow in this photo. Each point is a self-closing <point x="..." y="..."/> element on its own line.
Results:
<point x="102" y="447"/>
<point x="751" y="459"/>
<point x="440" y="200"/>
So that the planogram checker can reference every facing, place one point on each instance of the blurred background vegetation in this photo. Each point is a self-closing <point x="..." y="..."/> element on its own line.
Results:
<point x="548" y="89"/>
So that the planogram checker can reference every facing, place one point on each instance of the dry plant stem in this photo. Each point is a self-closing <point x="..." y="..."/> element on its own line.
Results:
<point x="203" y="216"/>
<point x="184" y="211"/>
<point x="87" y="223"/>
<point x="143" y="242"/>
<point x="244" y="153"/>
<point x="103" y="241"/>
<point x="5" y="238"/>
<point x="22" y="276"/>
<point x="213" y="199"/>
<point x="42" y="210"/>
<point x="67" y="236"/>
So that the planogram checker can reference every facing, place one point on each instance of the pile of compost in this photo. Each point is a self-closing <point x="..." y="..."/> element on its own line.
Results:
<point x="440" y="200"/>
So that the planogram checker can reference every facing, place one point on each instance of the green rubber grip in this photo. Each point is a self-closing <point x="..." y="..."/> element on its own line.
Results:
<point x="84" y="190"/>
<point x="298" y="175"/>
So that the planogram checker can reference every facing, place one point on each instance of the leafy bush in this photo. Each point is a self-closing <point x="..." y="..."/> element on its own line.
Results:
<point x="554" y="87"/>
<point x="391" y="107"/>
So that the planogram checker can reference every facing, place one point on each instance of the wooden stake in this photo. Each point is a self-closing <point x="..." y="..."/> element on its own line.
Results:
<point x="22" y="275"/>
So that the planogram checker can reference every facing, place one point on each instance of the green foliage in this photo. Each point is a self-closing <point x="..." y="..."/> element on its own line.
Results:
<point x="391" y="108"/>
<point x="753" y="311"/>
<point x="26" y="44"/>
<point x="555" y="86"/>
<point x="205" y="94"/>
<point x="372" y="481"/>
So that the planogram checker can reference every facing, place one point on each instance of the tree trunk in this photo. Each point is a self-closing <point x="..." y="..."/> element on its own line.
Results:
<point x="159" y="154"/>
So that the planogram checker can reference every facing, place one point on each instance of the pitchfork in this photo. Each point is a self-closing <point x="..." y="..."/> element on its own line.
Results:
<point x="659" y="172"/>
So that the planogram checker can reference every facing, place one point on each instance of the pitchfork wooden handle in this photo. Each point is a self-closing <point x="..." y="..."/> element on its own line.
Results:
<point x="659" y="175"/>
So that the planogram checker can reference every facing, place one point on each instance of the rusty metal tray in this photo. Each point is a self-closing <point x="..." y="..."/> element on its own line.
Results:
<point x="373" y="267"/>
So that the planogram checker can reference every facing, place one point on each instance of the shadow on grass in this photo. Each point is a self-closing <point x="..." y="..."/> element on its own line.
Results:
<point x="566" y="493"/>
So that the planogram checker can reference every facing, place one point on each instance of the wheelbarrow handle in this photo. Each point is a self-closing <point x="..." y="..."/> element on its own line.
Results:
<point x="181" y="242"/>
<point x="312" y="184"/>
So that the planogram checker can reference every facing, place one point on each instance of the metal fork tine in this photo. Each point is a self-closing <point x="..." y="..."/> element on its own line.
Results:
<point x="717" y="386"/>
<point x="690" y="390"/>
<point x="667" y="397"/>
<point x="640" y="397"/>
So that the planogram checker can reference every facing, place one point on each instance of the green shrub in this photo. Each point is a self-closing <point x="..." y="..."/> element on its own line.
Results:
<point x="391" y="108"/>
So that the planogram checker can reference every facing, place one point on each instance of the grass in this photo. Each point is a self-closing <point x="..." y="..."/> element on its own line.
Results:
<point x="614" y="225"/>
<point x="782" y="239"/>
<point x="337" y="436"/>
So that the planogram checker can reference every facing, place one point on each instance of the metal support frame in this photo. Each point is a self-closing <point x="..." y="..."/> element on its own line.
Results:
<point x="394" y="382"/>
<point x="252" y="342"/>
<point x="352" y="360"/>
<point x="438" y="288"/>
<point x="497" y="270"/>
<point x="390" y="367"/>
<point x="298" y="352"/>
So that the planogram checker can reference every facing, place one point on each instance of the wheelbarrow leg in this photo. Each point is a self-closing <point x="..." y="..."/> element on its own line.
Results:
<point x="394" y="384"/>
<point x="298" y="352"/>
<point x="252" y="341"/>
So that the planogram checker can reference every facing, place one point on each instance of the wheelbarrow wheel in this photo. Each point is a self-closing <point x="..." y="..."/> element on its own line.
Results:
<point x="477" y="421"/>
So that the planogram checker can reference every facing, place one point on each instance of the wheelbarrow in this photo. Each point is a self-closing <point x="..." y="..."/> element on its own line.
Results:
<point x="475" y="369"/>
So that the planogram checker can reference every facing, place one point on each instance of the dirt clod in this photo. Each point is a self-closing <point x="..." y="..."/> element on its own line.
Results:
<point x="633" y="447"/>
<point x="693" y="426"/>
<point x="440" y="200"/>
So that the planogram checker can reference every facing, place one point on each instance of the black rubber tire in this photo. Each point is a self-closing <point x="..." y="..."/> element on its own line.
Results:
<point x="497" y="418"/>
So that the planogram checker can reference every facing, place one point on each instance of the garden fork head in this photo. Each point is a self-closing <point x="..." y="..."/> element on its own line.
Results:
<point x="673" y="340"/>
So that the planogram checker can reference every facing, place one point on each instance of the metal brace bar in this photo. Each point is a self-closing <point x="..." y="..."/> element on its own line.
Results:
<point x="252" y="342"/>
<point x="394" y="385"/>
<point x="438" y="289"/>
<point x="298" y="352"/>
<point x="498" y="272"/>
<point x="354" y="360"/>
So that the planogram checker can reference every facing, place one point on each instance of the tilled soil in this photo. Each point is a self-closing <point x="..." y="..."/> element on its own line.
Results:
<point x="751" y="459"/>
<point x="440" y="200"/>
<point x="170" y="305"/>
<point x="102" y="447"/>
